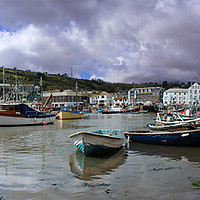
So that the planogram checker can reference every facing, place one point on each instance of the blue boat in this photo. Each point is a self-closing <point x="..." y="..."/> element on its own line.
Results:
<point x="98" y="142"/>
<point x="172" y="137"/>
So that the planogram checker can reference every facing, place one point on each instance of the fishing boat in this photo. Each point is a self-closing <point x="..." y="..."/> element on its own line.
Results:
<point x="179" y="137"/>
<point x="18" y="114"/>
<point x="120" y="111"/>
<point x="68" y="114"/>
<point x="172" y="121"/>
<point x="101" y="141"/>
<point x="112" y="110"/>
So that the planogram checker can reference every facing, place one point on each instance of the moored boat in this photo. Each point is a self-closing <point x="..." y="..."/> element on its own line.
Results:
<point x="182" y="137"/>
<point x="172" y="121"/>
<point x="120" y="111"/>
<point x="67" y="114"/>
<point x="19" y="114"/>
<point x="98" y="142"/>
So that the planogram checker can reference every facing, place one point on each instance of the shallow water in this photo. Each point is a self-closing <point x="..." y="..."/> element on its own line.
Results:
<point x="41" y="162"/>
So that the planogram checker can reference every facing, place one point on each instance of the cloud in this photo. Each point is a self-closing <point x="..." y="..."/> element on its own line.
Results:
<point x="114" y="40"/>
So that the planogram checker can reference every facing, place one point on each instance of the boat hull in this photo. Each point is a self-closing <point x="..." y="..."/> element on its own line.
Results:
<point x="176" y="138"/>
<point x="66" y="114"/>
<point x="91" y="143"/>
<point x="24" y="121"/>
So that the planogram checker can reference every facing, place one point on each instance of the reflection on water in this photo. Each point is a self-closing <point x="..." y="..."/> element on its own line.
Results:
<point x="190" y="154"/>
<point x="89" y="168"/>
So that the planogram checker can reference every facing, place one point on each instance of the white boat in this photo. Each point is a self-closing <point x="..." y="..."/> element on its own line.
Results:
<point x="19" y="114"/>
<point x="100" y="141"/>
<point x="172" y="121"/>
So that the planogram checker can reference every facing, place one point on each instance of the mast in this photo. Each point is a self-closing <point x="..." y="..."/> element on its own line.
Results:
<point x="76" y="96"/>
<point x="16" y="90"/>
<point x="3" y="84"/>
<point x="41" y="91"/>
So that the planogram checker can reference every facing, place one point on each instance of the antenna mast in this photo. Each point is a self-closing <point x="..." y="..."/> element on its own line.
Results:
<point x="71" y="72"/>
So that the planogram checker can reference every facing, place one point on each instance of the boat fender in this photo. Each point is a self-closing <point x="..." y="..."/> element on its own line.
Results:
<point x="185" y="134"/>
<point x="44" y="122"/>
<point x="128" y="139"/>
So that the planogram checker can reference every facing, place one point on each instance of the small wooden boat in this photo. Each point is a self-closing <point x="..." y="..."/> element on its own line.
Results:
<point x="98" y="142"/>
<point x="171" y="137"/>
<point x="19" y="114"/>
<point x="67" y="114"/>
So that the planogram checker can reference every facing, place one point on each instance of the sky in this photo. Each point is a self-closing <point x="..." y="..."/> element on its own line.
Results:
<point x="113" y="40"/>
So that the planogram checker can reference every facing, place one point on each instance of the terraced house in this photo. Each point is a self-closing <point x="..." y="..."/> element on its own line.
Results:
<point x="142" y="95"/>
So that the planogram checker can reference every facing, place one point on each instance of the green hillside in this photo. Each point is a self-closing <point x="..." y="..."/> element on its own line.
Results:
<point x="63" y="82"/>
<point x="58" y="82"/>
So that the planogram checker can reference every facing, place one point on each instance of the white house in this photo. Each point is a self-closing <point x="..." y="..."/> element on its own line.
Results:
<point x="104" y="99"/>
<point x="93" y="100"/>
<point x="175" y="96"/>
<point x="194" y="94"/>
<point x="190" y="96"/>
<point x="120" y="101"/>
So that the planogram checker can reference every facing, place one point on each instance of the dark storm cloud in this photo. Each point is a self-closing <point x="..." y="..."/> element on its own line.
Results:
<point x="118" y="41"/>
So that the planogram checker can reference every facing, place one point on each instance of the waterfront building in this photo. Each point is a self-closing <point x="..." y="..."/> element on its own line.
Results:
<point x="194" y="94"/>
<point x="93" y="100"/>
<point x="65" y="99"/>
<point x="146" y="94"/>
<point x="189" y="97"/>
<point x="104" y="99"/>
<point x="120" y="100"/>
<point x="175" y="96"/>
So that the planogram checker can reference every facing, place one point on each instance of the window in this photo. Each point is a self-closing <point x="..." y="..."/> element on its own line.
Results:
<point x="17" y="108"/>
<point x="10" y="107"/>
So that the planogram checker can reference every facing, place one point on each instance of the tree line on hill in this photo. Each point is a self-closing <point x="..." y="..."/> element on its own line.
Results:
<point x="63" y="82"/>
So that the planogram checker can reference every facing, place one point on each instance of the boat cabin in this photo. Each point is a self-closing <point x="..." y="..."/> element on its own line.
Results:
<point x="13" y="108"/>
